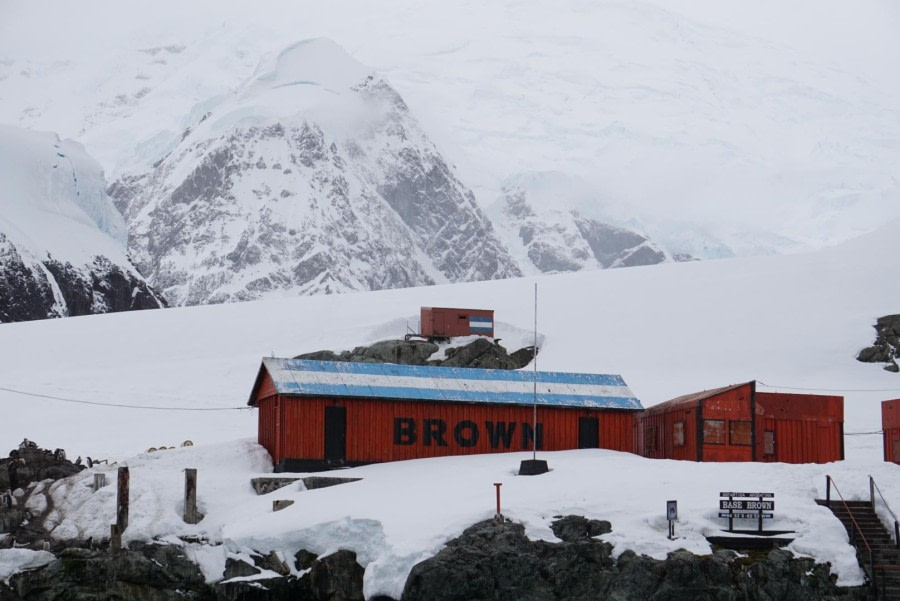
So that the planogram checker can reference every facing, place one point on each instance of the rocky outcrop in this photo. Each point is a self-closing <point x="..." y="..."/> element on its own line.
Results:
<point x="495" y="560"/>
<point x="887" y="344"/>
<point x="492" y="560"/>
<point x="481" y="352"/>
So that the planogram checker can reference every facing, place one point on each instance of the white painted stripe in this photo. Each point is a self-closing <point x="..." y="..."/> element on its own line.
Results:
<point x="351" y="379"/>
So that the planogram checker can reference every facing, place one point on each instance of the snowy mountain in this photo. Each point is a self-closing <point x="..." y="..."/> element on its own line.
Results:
<point x="62" y="242"/>
<point x="549" y="233"/>
<point x="717" y="114"/>
<point x="312" y="178"/>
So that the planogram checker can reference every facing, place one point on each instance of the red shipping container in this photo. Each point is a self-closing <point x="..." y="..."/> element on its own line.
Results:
<point x="444" y="322"/>
<point x="737" y="423"/>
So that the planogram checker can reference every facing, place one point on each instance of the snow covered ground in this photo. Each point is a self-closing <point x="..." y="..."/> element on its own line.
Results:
<point x="789" y="321"/>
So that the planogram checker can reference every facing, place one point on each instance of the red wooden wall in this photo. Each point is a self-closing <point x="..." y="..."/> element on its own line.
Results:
<point x="890" y="423"/>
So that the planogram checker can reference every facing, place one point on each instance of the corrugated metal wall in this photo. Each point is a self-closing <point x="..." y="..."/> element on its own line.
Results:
<point x="668" y="434"/>
<point x="805" y="428"/>
<point x="390" y="431"/>
<point x="659" y="430"/>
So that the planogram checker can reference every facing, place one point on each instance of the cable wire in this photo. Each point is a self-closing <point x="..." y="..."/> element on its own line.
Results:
<point x="101" y="404"/>
<point x="829" y="389"/>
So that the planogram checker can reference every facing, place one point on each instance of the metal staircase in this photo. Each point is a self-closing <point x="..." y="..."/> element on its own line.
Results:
<point x="878" y="549"/>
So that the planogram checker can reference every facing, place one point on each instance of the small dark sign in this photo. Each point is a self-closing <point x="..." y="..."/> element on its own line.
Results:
<point x="745" y="515"/>
<point x="671" y="510"/>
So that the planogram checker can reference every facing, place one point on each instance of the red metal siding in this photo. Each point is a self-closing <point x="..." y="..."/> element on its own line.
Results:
<point x="806" y="428"/>
<point x="655" y="434"/>
<point x="732" y="405"/>
<point x="890" y="423"/>
<point x="371" y="429"/>
<point x="268" y="426"/>
<point x="444" y="321"/>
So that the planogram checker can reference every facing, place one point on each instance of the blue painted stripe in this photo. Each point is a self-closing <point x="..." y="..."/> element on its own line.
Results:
<point x="481" y="328"/>
<point x="509" y="398"/>
<point x="456" y="373"/>
<point x="481" y="319"/>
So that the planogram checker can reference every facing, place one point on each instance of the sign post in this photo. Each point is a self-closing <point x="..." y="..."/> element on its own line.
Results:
<point x="672" y="516"/>
<point x="746" y="506"/>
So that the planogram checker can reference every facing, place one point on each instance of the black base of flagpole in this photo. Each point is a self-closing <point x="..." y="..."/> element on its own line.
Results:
<point x="533" y="467"/>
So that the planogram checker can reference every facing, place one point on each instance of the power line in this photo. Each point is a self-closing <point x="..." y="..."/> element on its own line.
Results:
<point x="830" y="389"/>
<point x="98" y="403"/>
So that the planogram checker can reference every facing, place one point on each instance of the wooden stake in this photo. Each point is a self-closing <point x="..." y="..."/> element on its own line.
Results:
<point x="190" y="496"/>
<point x="122" y="501"/>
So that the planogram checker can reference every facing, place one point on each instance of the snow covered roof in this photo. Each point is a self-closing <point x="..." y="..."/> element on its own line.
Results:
<point x="302" y="377"/>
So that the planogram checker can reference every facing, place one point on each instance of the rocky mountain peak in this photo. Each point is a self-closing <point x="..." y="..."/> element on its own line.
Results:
<point x="312" y="178"/>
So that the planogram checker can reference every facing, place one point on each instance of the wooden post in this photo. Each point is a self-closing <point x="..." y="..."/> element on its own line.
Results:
<point x="497" y="486"/>
<point x="99" y="481"/>
<point x="122" y="501"/>
<point x="115" y="538"/>
<point x="190" y="496"/>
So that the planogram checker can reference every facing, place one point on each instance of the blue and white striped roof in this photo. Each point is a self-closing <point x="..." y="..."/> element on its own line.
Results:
<point x="303" y="377"/>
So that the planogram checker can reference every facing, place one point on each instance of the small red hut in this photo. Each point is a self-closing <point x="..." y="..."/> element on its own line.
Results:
<point x="737" y="423"/>
<point x="890" y="424"/>
<point x="445" y="322"/>
<point x="315" y="415"/>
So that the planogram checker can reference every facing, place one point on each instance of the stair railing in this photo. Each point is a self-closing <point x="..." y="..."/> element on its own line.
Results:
<point x="856" y="531"/>
<point x="873" y="488"/>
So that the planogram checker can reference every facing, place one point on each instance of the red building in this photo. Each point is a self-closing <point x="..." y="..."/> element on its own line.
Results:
<point x="890" y="424"/>
<point x="737" y="423"/>
<point x="444" y="322"/>
<point x="320" y="414"/>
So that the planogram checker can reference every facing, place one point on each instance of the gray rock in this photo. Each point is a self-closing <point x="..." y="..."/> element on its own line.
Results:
<point x="887" y="343"/>
<point x="495" y="561"/>
<point x="574" y="528"/>
<point x="482" y="352"/>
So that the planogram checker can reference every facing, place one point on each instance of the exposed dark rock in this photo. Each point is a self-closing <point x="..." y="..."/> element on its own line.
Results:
<point x="573" y="528"/>
<point x="337" y="577"/>
<point x="238" y="568"/>
<point x="887" y="343"/>
<point x="34" y="464"/>
<point x="140" y="573"/>
<point x="495" y="561"/>
<point x="482" y="352"/>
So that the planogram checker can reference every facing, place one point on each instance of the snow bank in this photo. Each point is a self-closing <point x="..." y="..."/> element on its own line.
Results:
<point x="401" y="513"/>
<point x="18" y="560"/>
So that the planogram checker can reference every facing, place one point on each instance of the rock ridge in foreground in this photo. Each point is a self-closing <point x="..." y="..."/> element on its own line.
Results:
<point x="491" y="560"/>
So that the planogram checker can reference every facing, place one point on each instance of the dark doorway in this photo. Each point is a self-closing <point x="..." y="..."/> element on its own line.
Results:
<point x="588" y="433"/>
<point x="335" y="434"/>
